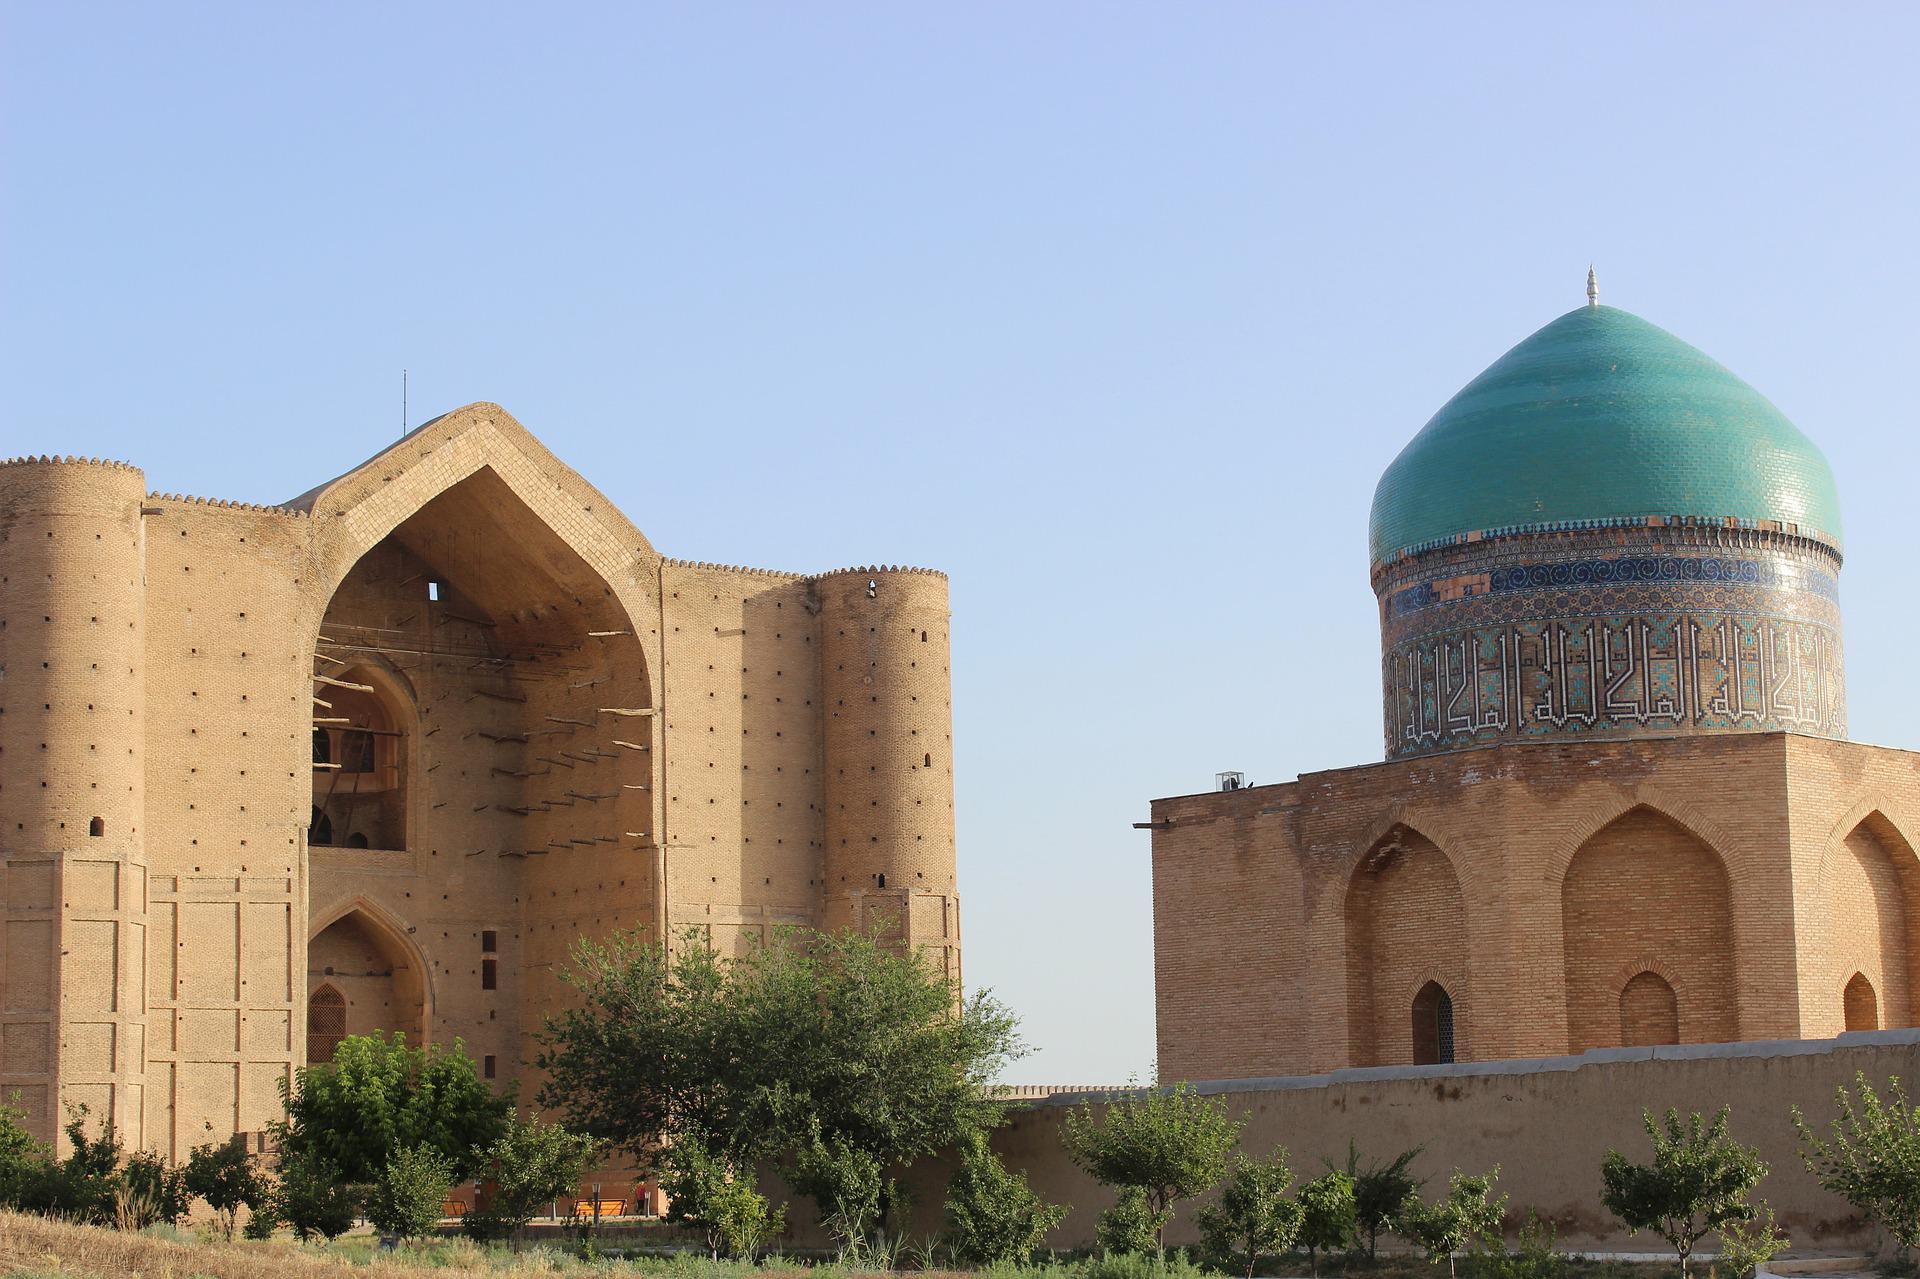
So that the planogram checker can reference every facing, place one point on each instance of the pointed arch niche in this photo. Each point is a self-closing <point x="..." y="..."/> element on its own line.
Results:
<point x="1406" y="931"/>
<point x="363" y="976"/>
<point x="1871" y="894"/>
<point x="1646" y="885"/>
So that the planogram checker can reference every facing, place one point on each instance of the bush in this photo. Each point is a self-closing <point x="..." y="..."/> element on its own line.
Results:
<point x="313" y="1198"/>
<point x="993" y="1215"/>
<point x="407" y="1196"/>
<point x="1326" y="1216"/>
<point x="1697" y="1183"/>
<point x="1872" y="1158"/>
<point x="1131" y="1227"/>
<point x="148" y="1191"/>
<point x="222" y="1173"/>
<point x="1254" y="1219"/>
<point x="849" y="1185"/>
<point x="1170" y="1144"/>
<point x="530" y="1164"/>
<point x="1746" y="1246"/>
<point x="24" y="1158"/>
<point x="1379" y="1191"/>
<point x="1536" y="1254"/>
<point x="1468" y="1215"/>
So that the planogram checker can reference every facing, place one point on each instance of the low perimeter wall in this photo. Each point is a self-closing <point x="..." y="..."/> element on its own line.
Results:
<point x="1547" y="1123"/>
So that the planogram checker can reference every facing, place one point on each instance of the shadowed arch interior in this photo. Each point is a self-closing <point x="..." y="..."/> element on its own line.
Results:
<point x="1405" y="922"/>
<point x="374" y="975"/>
<point x="1871" y="890"/>
<point x="1860" y="1005"/>
<point x="1646" y="886"/>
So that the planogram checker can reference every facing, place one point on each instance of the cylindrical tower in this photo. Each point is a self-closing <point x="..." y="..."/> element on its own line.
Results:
<point x="888" y="737"/>
<point x="72" y="788"/>
<point x="1605" y="535"/>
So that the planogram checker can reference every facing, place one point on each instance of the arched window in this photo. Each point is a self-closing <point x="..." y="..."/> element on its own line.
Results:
<point x="1432" y="1025"/>
<point x="357" y="840"/>
<point x="1649" y="1011"/>
<point x="1862" y="1006"/>
<point x="326" y="1024"/>
<point x="97" y="827"/>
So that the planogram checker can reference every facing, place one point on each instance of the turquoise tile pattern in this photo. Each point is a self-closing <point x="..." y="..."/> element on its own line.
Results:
<point x="1598" y="420"/>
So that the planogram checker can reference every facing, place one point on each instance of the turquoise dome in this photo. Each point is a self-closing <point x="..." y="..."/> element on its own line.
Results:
<point x="1601" y="418"/>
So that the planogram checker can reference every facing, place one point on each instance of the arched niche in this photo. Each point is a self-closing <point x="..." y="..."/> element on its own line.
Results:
<point x="1646" y="885"/>
<point x="1406" y="927"/>
<point x="1860" y="1005"/>
<point x="1870" y="895"/>
<point x="1649" y="1011"/>
<point x="376" y="973"/>
<point x="1432" y="1026"/>
<point x="361" y="773"/>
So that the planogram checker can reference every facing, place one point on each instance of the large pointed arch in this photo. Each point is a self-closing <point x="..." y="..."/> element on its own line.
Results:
<point x="400" y="996"/>
<point x="1866" y="916"/>
<point x="1406" y="927"/>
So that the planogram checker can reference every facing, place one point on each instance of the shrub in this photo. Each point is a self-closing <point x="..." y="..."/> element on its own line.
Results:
<point x="1536" y="1253"/>
<point x="1697" y="1183"/>
<point x="222" y="1173"/>
<point x="313" y="1198"/>
<point x="1872" y="1157"/>
<point x="1171" y="1144"/>
<point x="530" y="1164"/>
<point x="1131" y="1227"/>
<point x="1747" y="1245"/>
<point x="1379" y="1191"/>
<point x="1468" y="1215"/>
<point x="24" y="1159"/>
<point x="1326" y="1216"/>
<point x="1254" y="1220"/>
<point x="148" y="1191"/>
<point x="848" y="1184"/>
<point x="993" y="1215"/>
<point x="406" y="1198"/>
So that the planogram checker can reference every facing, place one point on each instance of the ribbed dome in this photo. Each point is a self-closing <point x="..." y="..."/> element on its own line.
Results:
<point x="1599" y="418"/>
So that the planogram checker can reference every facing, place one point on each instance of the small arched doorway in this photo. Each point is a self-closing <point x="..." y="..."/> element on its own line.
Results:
<point x="1861" y="1005"/>
<point x="1432" y="1025"/>
<point x="1649" y="1011"/>
<point x="362" y="968"/>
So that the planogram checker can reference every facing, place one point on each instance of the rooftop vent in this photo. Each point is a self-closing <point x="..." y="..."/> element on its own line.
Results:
<point x="1229" y="781"/>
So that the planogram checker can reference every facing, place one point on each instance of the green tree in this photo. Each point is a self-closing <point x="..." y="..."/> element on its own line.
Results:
<point x="1379" y="1191"/>
<point x="1696" y="1185"/>
<point x="406" y="1197"/>
<point x="1169" y="1143"/>
<point x="1254" y="1220"/>
<point x="993" y="1215"/>
<point x="313" y="1198"/>
<point x="1745" y="1246"/>
<point x="813" y="1049"/>
<point x="222" y="1173"/>
<point x="849" y="1185"/>
<point x="24" y="1158"/>
<point x="1327" y="1219"/>
<point x="1132" y="1226"/>
<point x="530" y="1164"/>
<point x="707" y="1193"/>
<point x="148" y="1190"/>
<point x="1467" y="1215"/>
<point x="378" y="1097"/>
<point x="1871" y="1157"/>
<point x="83" y="1185"/>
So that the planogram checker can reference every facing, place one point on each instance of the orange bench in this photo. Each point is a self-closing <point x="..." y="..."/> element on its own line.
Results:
<point x="453" y="1208"/>
<point x="608" y="1208"/>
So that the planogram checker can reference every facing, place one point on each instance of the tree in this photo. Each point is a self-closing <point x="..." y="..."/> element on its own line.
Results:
<point x="993" y="1215"/>
<point x="849" y="1185"/>
<point x="1871" y="1158"/>
<point x="1254" y="1220"/>
<point x="222" y="1173"/>
<point x="1326" y="1215"/>
<point x="313" y="1198"/>
<point x="1745" y="1246"/>
<point x="813" y="1048"/>
<point x="712" y="1196"/>
<point x="1468" y="1214"/>
<point x="408" y="1194"/>
<point x="378" y="1097"/>
<point x="1379" y="1192"/>
<point x="1169" y="1143"/>
<point x="24" y="1158"/>
<point x="530" y="1164"/>
<point x="1132" y="1226"/>
<point x="1697" y="1183"/>
<point x="148" y="1190"/>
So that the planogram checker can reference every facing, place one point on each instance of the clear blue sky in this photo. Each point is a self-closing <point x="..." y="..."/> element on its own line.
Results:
<point x="1115" y="312"/>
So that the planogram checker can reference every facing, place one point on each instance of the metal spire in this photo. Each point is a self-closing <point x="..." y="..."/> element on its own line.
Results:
<point x="1593" y="287"/>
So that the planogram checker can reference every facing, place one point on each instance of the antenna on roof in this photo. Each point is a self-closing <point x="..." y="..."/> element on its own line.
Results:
<point x="403" y="389"/>
<point x="1593" y="287"/>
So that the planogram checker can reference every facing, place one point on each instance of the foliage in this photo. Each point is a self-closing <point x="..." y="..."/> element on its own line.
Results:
<point x="1872" y="1157"/>
<point x="406" y="1197"/>
<point x="1132" y="1226"/>
<point x="1326" y="1215"/>
<point x="1172" y="1144"/>
<point x="313" y="1198"/>
<point x="530" y="1164"/>
<point x="148" y="1191"/>
<point x="261" y="1222"/>
<point x="1254" y="1220"/>
<point x="993" y="1215"/>
<point x="1379" y="1191"/>
<point x="1467" y="1215"/>
<point x="1747" y="1245"/>
<point x="223" y="1174"/>
<point x="378" y="1097"/>
<point x="1536" y="1254"/>
<point x="830" y="1052"/>
<point x="83" y="1186"/>
<point x="1697" y="1183"/>
<point x="707" y="1193"/>
<point x="24" y="1158"/>
<point x="846" y="1182"/>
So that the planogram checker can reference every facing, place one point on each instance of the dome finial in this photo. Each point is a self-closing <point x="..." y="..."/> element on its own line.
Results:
<point x="1593" y="287"/>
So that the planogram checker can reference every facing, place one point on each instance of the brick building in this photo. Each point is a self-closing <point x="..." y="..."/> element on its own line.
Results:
<point x="1618" y="805"/>
<point x="376" y="757"/>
